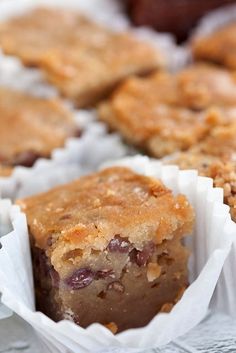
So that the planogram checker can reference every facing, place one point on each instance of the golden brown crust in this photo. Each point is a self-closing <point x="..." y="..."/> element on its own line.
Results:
<point x="160" y="129"/>
<point x="166" y="112"/>
<point x="218" y="47"/>
<point x="32" y="34"/>
<point x="86" y="75"/>
<point x="87" y="213"/>
<point x="79" y="57"/>
<point x="220" y="142"/>
<point x="222" y="171"/>
<point x="30" y="127"/>
<point x="203" y="85"/>
<point x="5" y="171"/>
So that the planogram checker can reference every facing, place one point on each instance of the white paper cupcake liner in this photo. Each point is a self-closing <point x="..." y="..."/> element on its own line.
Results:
<point x="79" y="156"/>
<point x="214" y="20"/>
<point x="224" y="299"/>
<point x="210" y="246"/>
<point x="111" y="14"/>
<point x="14" y="75"/>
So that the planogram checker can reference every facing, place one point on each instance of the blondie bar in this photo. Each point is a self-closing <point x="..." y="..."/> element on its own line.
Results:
<point x="107" y="248"/>
<point x="83" y="59"/>
<point x="164" y="112"/>
<point x="218" y="47"/>
<point x="31" y="127"/>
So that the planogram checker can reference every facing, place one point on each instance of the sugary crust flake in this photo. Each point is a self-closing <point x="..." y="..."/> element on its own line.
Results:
<point x="78" y="56"/>
<point x="167" y="112"/>
<point x="222" y="171"/>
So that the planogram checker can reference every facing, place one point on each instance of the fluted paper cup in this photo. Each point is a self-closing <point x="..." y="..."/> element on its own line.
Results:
<point x="224" y="299"/>
<point x="210" y="245"/>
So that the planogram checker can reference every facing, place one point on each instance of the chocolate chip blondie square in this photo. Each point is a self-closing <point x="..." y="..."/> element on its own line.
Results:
<point x="218" y="47"/>
<point x="165" y="112"/>
<point x="107" y="248"/>
<point x="84" y="60"/>
<point x="31" y="128"/>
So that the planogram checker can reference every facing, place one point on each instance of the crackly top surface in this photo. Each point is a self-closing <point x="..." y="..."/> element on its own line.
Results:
<point x="89" y="212"/>
<point x="34" y="32"/>
<point x="81" y="58"/>
<point x="30" y="127"/>
<point x="222" y="171"/>
<point x="218" y="47"/>
<point x="168" y="112"/>
<point x="220" y="141"/>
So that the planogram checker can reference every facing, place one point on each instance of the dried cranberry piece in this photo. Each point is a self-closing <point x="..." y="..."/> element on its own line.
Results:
<point x="26" y="159"/>
<point x="77" y="132"/>
<point x="102" y="274"/>
<point x="116" y="286"/>
<point x="141" y="257"/>
<point x="119" y="244"/>
<point x="80" y="278"/>
<point x="51" y="240"/>
<point x="133" y="255"/>
<point x="65" y="217"/>
<point x="76" y="319"/>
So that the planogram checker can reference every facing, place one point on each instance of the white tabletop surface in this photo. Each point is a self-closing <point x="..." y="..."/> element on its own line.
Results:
<point x="216" y="334"/>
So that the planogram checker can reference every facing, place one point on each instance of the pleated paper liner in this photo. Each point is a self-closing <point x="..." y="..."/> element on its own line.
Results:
<point x="210" y="245"/>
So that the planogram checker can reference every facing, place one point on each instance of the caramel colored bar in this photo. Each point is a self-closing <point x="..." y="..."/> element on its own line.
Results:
<point x="107" y="248"/>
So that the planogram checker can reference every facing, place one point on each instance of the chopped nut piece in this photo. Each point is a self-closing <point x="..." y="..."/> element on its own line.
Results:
<point x="221" y="170"/>
<point x="112" y="327"/>
<point x="166" y="308"/>
<point x="153" y="271"/>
